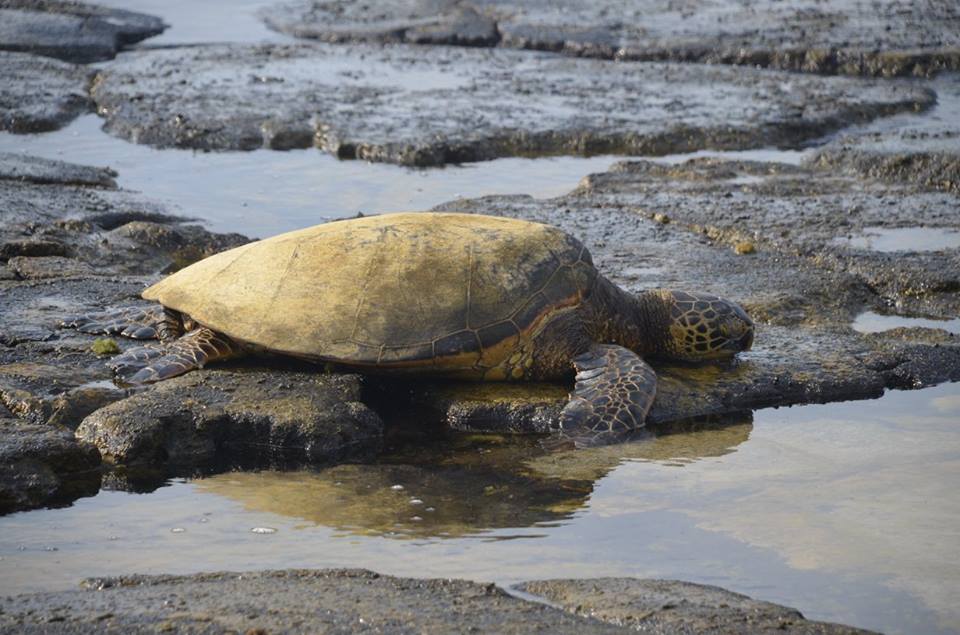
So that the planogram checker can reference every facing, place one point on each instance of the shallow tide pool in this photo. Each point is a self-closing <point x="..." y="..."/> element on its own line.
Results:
<point x="848" y="512"/>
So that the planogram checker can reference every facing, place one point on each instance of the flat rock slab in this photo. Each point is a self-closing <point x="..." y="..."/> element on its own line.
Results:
<point x="189" y="419"/>
<point x="71" y="31"/>
<point x="888" y="38"/>
<point x="432" y="106"/>
<point x="921" y="150"/>
<point x="341" y="601"/>
<point x="826" y="217"/>
<point x="30" y="169"/>
<point x="43" y="464"/>
<point x="39" y="94"/>
<point x="670" y="606"/>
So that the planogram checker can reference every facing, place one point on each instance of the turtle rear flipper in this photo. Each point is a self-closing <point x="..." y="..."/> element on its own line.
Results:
<point x="149" y="364"/>
<point x="613" y="393"/>
<point x="136" y="322"/>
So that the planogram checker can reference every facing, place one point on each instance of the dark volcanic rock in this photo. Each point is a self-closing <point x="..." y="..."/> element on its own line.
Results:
<point x="341" y="601"/>
<point x="39" y="94"/>
<point x="431" y="106"/>
<point x="60" y="394"/>
<point x="921" y="150"/>
<point x="303" y="415"/>
<point x="670" y="606"/>
<point x="800" y="212"/>
<point x="29" y="169"/>
<point x="59" y="220"/>
<point x="42" y="465"/>
<point x="71" y="31"/>
<point x="888" y="38"/>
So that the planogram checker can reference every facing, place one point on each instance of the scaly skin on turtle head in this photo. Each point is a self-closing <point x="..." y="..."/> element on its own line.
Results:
<point x="704" y="327"/>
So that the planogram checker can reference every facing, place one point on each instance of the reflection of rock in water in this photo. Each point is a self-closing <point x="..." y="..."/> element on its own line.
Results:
<point x="477" y="485"/>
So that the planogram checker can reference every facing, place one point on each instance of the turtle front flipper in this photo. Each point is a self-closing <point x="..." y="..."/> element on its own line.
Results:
<point x="136" y="322"/>
<point x="613" y="393"/>
<point x="149" y="364"/>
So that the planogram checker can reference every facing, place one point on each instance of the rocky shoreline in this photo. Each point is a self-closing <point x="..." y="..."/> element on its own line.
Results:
<point x="790" y="242"/>
<point x="359" y="601"/>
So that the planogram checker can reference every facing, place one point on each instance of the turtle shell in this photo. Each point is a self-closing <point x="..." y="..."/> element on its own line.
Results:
<point x="438" y="289"/>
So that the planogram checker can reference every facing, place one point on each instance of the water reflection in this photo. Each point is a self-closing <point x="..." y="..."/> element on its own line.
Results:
<point x="887" y="239"/>
<point x="472" y="485"/>
<point x="870" y="322"/>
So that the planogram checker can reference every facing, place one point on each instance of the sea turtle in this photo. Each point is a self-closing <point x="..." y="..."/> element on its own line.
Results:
<point x="458" y="295"/>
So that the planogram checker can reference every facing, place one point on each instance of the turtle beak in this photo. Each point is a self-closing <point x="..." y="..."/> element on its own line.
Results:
<point x="747" y="340"/>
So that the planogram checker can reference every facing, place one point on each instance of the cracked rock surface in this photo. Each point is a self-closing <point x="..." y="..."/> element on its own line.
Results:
<point x="72" y="31"/>
<point x="887" y="38"/>
<point x="432" y="106"/>
<point x="356" y="600"/>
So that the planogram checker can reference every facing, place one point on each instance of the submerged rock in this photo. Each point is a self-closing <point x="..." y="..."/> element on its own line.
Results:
<point x="72" y="31"/>
<point x="347" y="600"/>
<point x="889" y="38"/>
<point x="42" y="464"/>
<point x="432" y="106"/>
<point x="39" y="94"/>
<point x="189" y="419"/>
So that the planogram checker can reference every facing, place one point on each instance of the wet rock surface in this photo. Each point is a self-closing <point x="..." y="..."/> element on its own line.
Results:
<point x="889" y="38"/>
<point x="71" y="31"/>
<point x="64" y="220"/>
<point x="363" y="601"/>
<point x="39" y="94"/>
<point x="803" y="213"/>
<point x="432" y="106"/>
<point x="307" y="416"/>
<point x="924" y="151"/>
<point x="43" y="464"/>
<point x="669" y="606"/>
<point x="25" y="168"/>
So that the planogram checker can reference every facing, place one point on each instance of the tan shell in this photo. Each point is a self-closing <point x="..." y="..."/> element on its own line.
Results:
<point x="393" y="290"/>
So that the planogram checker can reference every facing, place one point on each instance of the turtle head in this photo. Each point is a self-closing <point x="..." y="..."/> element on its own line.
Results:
<point x="701" y="326"/>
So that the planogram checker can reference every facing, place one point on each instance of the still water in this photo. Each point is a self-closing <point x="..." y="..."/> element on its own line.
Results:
<point x="847" y="511"/>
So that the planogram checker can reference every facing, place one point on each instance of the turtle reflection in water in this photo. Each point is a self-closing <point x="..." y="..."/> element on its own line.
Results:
<point x="464" y="485"/>
<point x="457" y="295"/>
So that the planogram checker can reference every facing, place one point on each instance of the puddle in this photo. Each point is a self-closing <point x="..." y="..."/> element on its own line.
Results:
<point x="902" y="239"/>
<point x="767" y="155"/>
<point x="192" y="22"/>
<point x="264" y="192"/>
<point x="848" y="512"/>
<point x="870" y="322"/>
